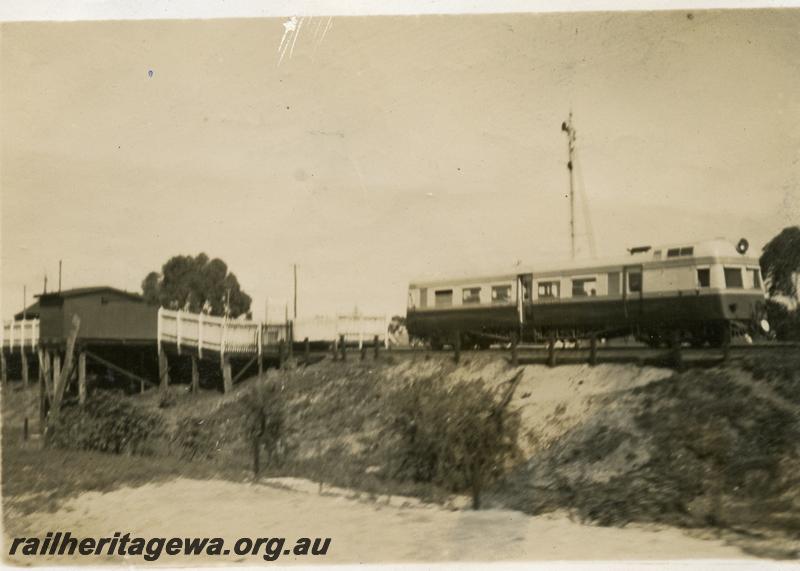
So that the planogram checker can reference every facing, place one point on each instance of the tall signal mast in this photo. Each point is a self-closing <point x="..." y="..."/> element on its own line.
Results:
<point x="567" y="127"/>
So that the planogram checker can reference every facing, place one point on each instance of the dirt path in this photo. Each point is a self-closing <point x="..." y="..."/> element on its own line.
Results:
<point x="361" y="531"/>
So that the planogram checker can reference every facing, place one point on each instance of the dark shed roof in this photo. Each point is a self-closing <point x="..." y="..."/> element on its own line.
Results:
<point x="81" y="291"/>
<point x="30" y="312"/>
<point x="33" y="310"/>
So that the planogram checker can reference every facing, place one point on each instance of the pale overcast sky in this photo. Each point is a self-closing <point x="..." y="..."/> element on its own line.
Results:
<point x="384" y="148"/>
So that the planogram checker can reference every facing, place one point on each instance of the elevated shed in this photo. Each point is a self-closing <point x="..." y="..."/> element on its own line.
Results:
<point x="108" y="316"/>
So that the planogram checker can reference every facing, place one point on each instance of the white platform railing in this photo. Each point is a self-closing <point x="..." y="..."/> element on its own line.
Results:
<point x="18" y="334"/>
<point x="355" y="328"/>
<point x="235" y="336"/>
<point x="210" y="333"/>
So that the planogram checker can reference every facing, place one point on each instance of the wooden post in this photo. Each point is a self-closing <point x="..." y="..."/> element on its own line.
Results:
<point x="593" y="350"/>
<point x="376" y="346"/>
<point x="306" y="351"/>
<point x="227" y="378"/>
<point x="56" y="367"/>
<point x="457" y="347"/>
<point x="363" y="352"/>
<point x="61" y="383"/>
<point x="82" y="377"/>
<point x="335" y="349"/>
<point x="42" y="392"/>
<point x="551" y="352"/>
<point x="291" y="340"/>
<point x="163" y="370"/>
<point x="195" y="375"/>
<point x="23" y="356"/>
<point x="342" y="348"/>
<point x="675" y="345"/>
<point x="726" y="342"/>
<point x="514" y="355"/>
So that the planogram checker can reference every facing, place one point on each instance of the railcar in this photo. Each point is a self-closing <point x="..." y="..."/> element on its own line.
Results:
<point x="702" y="292"/>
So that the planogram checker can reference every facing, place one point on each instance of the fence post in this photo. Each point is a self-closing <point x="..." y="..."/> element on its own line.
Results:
<point x="675" y="346"/>
<point x="726" y="342"/>
<point x="342" y="348"/>
<point x="335" y="349"/>
<point x="223" y="340"/>
<point x="158" y="328"/>
<point x="593" y="350"/>
<point x="178" y="329"/>
<point x="376" y="346"/>
<point x="82" y="377"/>
<point x="514" y="356"/>
<point x="457" y="347"/>
<point x="42" y="392"/>
<point x="163" y="370"/>
<point x="195" y="375"/>
<point x="24" y="362"/>
<point x="551" y="352"/>
<point x="227" y="378"/>
<point x="363" y="352"/>
<point x="200" y="334"/>
<point x="290" y="335"/>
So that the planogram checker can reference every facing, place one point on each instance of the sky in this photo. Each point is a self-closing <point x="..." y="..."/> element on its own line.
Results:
<point x="371" y="151"/>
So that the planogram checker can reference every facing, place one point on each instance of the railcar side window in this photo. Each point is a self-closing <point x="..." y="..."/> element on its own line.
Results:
<point x="755" y="278"/>
<point x="501" y="294"/>
<point x="673" y="252"/>
<point x="549" y="289"/>
<point x="733" y="278"/>
<point x="689" y="251"/>
<point x="444" y="297"/>
<point x="703" y="277"/>
<point x="635" y="282"/>
<point x="471" y="295"/>
<point x="583" y="287"/>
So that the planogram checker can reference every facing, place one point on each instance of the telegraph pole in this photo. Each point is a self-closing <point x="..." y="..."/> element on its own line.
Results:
<point x="567" y="127"/>
<point x="295" y="291"/>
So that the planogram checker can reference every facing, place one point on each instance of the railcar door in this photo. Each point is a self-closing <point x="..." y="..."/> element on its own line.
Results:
<point x="632" y="290"/>
<point x="524" y="303"/>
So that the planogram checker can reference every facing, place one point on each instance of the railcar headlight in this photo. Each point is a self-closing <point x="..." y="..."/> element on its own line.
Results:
<point x="742" y="246"/>
<point x="764" y="325"/>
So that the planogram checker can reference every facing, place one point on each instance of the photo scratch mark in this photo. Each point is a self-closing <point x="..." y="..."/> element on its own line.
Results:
<point x="289" y="28"/>
<point x="291" y="31"/>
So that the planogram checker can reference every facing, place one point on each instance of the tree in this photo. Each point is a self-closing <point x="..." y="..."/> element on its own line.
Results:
<point x="195" y="283"/>
<point x="459" y="436"/>
<point x="780" y="263"/>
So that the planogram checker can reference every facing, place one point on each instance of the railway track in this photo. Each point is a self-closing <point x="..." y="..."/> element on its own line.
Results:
<point x="642" y="355"/>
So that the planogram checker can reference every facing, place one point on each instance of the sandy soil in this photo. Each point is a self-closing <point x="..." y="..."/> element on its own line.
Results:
<point x="362" y="530"/>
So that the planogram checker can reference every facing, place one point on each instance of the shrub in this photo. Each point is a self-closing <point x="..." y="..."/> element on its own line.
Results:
<point x="196" y="437"/>
<point x="458" y="436"/>
<point x="265" y="421"/>
<point x="108" y="422"/>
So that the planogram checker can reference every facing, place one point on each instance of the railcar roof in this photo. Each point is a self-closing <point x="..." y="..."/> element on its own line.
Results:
<point x="716" y="248"/>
